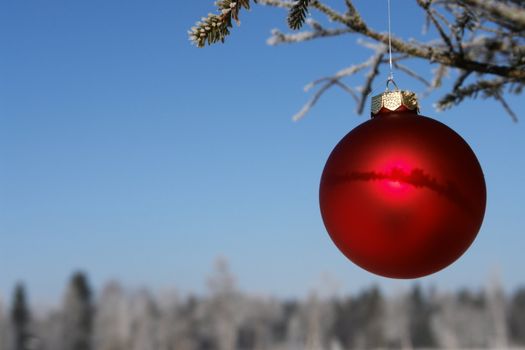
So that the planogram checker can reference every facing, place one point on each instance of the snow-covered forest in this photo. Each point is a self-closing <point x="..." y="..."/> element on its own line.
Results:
<point x="115" y="318"/>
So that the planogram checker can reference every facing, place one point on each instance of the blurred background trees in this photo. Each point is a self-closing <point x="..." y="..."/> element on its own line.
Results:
<point x="77" y="315"/>
<point x="20" y="320"/>
<point x="225" y="318"/>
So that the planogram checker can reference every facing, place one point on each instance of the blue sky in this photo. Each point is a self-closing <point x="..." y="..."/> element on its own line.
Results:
<point x="129" y="154"/>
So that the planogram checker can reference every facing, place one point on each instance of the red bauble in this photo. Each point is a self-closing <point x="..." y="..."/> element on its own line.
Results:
<point x="402" y="195"/>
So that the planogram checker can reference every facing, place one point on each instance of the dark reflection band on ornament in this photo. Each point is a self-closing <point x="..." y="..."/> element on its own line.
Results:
<point x="416" y="177"/>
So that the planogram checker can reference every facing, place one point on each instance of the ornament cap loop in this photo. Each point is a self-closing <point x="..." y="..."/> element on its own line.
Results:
<point x="389" y="81"/>
<point x="391" y="100"/>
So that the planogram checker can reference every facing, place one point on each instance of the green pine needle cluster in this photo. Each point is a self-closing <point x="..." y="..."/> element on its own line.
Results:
<point x="297" y="14"/>
<point x="215" y="27"/>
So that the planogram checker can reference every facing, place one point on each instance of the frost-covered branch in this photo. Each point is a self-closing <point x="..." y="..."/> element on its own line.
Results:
<point x="318" y="31"/>
<point x="480" y="43"/>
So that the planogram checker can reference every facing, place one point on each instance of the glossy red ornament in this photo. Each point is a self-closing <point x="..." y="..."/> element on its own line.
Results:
<point x="402" y="195"/>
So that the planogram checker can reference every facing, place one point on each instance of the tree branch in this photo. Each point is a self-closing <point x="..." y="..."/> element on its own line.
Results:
<point x="484" y="37"/>
<point x="318" y="31"/>
<point x="513" y="14"/>
<point x="422" y="51"/>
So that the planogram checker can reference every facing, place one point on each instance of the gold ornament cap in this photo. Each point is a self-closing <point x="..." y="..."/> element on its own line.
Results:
<point x="393" y="99"/>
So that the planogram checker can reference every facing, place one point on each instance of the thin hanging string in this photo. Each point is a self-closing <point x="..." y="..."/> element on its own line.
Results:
<point x="390" y="78"/>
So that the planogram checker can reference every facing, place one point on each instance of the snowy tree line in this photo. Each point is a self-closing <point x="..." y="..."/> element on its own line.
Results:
<point x="227" y="319"/>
